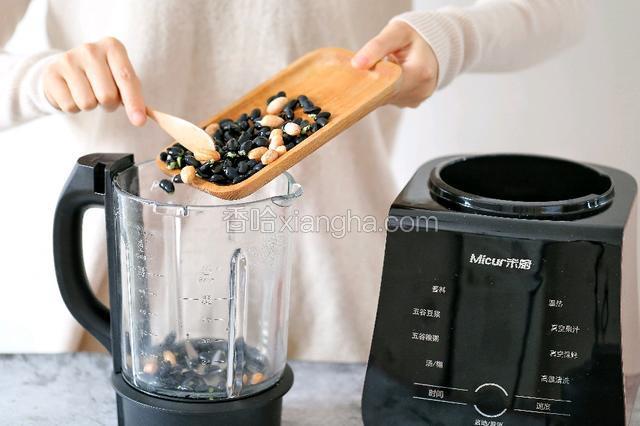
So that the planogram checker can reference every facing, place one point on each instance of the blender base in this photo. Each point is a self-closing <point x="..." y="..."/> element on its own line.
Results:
<point x="136" y="408"/>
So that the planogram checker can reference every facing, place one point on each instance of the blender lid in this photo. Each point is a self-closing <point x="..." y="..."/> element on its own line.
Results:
<point x="521" y="186"/>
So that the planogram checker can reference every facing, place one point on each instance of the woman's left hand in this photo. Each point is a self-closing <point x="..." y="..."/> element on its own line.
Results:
<point x="403" y="45"/>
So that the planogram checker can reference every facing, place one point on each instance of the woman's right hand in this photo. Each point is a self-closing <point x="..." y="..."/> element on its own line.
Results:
<point x="95" y="74"/>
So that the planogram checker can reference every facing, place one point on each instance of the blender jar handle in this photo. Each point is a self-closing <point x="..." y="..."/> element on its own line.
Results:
<point x="89" y="185"/>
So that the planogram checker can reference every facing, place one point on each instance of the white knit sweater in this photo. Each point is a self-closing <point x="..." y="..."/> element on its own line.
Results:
<point x="194" y="57"/>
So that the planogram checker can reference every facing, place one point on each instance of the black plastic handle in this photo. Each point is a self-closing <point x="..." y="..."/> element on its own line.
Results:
<point x="86" y="187"/>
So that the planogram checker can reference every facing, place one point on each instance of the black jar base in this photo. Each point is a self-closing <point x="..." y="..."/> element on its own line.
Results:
<point x="136" y="408"/>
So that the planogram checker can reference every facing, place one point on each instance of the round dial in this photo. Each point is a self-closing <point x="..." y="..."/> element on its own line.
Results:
<point x="491" y="400"/>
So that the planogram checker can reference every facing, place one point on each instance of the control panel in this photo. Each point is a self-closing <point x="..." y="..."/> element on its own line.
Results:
<point x="491" y="331"/>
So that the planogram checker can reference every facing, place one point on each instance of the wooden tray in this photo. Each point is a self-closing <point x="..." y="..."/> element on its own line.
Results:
<point x="328" y="79"/>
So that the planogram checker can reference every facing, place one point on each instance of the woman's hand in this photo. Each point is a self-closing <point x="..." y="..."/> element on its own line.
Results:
<point x="402" y="44"/>
<point x="95" y="74"/>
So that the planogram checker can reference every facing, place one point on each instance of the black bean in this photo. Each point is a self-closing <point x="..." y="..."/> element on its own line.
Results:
<point x="232" y="145"/>
<point x="175" y="151"/>
<point x="324" y="114"/>
<point x="243" y="167"/>
<point x="245" y="136"/>
<point x="191" y="161"/>
<point x="177" y="178"/>
<point x="225" y="124"/>
<point x="300" y="138"/>
<point x="252" y="163"/>
<point x="168" y="340"/>
<point x="227" y="162"/>
<point x="322" y="121"/>
<point x="244" y="125"/>
<point x="193" y="383"/>
<point x="164" y="369"/>
<point x="179" y="145"/>
<point x="218" y="135"/>
<point x="218" y="178"/>
<point x="303" y="99"/>
<point x="217" y="168"/>
<point x="280" y="94"/>
<point x="258" y="166"/>
<point x="288" y="113"/>
<point x="243" y="117"/>
<point x="246" y="147"/>
<point x="265" y="132"/>
<point x="261" y="141"/>
<point x="167" y="186"/>
<point x="288" y="138"/>
<point x="230" y="172"/>
<point x="227" y="135"/>
<point x="304" y="123"/>
<point x="234" y="127"/>
<point x="315" y="127"/>
<point x="293" y="104"/>
<point x="238" y="179"/>
<point x="163" y="156"/>
<point x="290" y="146"/>
<point x="255" y="113"/>
<point x="297" y="120"/>
<point x="311" y="109"/>
<point x="205" y="170"/>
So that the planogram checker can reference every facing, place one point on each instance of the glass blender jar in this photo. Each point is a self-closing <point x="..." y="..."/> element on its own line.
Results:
<point x="199" y="293"/>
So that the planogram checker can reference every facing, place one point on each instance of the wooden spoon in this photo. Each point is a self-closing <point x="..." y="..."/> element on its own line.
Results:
<point x="186" y="133"/>
<point x="328" y="79"/>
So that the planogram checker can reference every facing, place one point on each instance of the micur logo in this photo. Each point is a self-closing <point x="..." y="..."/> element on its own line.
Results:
<point x="501" y="262"/>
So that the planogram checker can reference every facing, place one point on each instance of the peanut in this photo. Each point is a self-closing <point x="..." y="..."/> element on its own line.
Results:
<point x="206" y="154"/>
<point x="271" y="121"/>
<point x="257" y="153"/>
<point x="169" y="356"/>
<point x="269" y="157"/>
<point x="257" y="378"/>
<point x="211" y="128"/>
<point x="277" y="105"/>
<point x="292" y="129"/>
<point x="276" y="139"/>
<point x="150" y="367"/>
<point x="281" y="149"/>
<point x="187" y="174"/>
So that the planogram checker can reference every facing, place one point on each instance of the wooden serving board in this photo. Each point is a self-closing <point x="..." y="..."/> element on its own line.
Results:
<point x="328" y="79"/>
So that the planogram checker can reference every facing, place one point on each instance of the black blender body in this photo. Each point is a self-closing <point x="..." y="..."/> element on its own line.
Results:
<point x="91" y="184"/>
<point x="504" y="304"/>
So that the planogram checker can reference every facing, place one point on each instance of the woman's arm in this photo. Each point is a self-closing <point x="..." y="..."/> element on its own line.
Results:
<point x="490" y="36"/>
<point x="21" y="91"/>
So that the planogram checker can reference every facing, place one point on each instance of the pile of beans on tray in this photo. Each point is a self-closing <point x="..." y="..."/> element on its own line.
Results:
<point x="246" y="145"/>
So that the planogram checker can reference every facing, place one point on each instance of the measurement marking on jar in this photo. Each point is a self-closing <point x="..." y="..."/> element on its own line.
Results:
<point x="544" y="399"/>
<point x="439" y="400"/>
<point x="441" y="387"/>
<point x="209" y="319"/>
<point x="542" y="412"/>
<point x="207" y="299"/>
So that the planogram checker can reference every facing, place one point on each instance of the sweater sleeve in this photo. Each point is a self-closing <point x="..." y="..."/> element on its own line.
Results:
<point x="498" y="35"/>
<point x="21" y="93"/>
